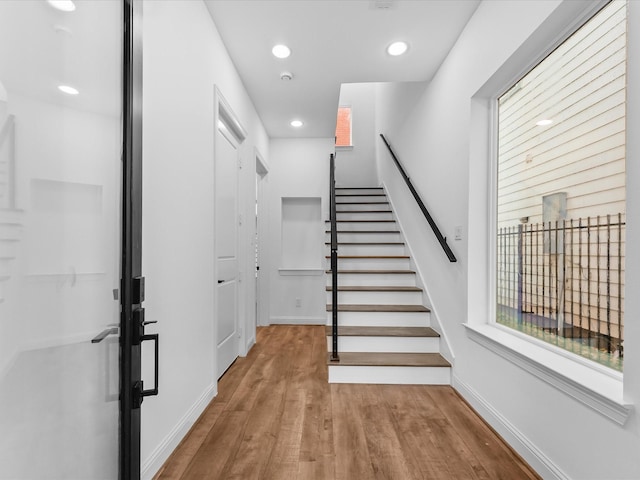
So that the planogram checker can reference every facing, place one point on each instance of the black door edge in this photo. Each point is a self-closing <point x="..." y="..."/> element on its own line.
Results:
<point x="131" y="248"/>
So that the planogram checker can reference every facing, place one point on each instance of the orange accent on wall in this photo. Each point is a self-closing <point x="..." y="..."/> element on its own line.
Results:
<point x="343" y="127"/>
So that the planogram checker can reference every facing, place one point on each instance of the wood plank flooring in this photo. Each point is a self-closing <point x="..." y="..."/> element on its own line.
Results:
<point x="276" y="417"/>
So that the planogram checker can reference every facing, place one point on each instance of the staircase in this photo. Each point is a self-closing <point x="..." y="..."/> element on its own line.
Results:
<point x="384" y="329"/>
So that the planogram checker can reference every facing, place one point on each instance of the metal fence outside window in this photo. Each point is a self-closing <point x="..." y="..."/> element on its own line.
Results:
<point x="563" y="282"/>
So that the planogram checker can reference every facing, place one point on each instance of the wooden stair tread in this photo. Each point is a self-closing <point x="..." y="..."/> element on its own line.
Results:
<point x="361" y="194"/>
<point x="378" y="359"/>
<point x="375" y="272"/>
<point x="349" y="331"/>
<point x="381" y="288"/>
<point x="362" y="221"/>
<point x="379" y="308"/>
<point x="362" y="203"/>
<point x="359" y="188"/>
<point x="367" y="243"/>
<point x="364" y="231"/>
<point x="364" y="211"/>
<point x="395" y="257"/>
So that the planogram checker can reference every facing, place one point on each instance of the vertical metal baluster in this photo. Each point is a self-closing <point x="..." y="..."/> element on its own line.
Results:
<point x="530" y="309"/>
<point x="589" y="279"/>
<point x="512" y="259"/>
<point x="500" y="261"/>
<point x="499" y="267"/>
<point x="620" y="329"/>
<point x="521" y="274"/>
<point x="609" y="284"/>
<point x="555" y="283"/>
<point x="580" y="302"/>
<point x="537" y="273"/>
<point x="598" y="291"/>
<point x="571" y="229"/>
<point x="598" y="317"/>
<point x="543" y="274"/>
<point x="564" y="276"/>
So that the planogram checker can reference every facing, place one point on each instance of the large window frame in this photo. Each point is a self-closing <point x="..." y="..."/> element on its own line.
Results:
<point x="596" y="386"/>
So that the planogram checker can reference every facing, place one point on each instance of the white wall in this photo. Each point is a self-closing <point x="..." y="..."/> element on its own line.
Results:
<point x="299" y="168"/>
<point x="355" y="165"/>
<point x="184" y="58"/>
<point x="447" y="157"/>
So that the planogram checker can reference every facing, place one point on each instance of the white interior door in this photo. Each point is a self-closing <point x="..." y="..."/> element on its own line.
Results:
<point x="226" y="245"/>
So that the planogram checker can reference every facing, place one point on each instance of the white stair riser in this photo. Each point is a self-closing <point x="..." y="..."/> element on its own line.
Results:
<point x="371" y="264"/>
<point x="364" y="250"/>
<point x="360" y="198"/>
<point x="362" y="207"/>
<point x="377" y="298"/>
<point x="358" y="191"/>
<point x="359" y="226"/>
<point x="361" y="237"/>
<point x="378" y="319"/>
<point x="365" y="216"/>
<point x="386" y="344"/>
<point x="390" y="375"/>
<point x="374" y="279"/>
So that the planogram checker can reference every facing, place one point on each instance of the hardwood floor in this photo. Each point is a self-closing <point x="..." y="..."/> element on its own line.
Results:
<point x="276" y="417"/>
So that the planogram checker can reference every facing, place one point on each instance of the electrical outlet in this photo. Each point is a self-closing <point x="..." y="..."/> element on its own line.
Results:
<point x="457" y="233"/>
<point x="298" y="302"/>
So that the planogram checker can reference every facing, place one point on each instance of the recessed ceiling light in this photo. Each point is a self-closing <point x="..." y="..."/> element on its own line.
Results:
<point x="397" y="48"/>
<point x="296" y="123"/>
<point x="68" y="90"/>
<point x="64" y="5"/>
<point x="286" y="76"/>
<point x="544" y="122"/>
<point x="281" y="51"/>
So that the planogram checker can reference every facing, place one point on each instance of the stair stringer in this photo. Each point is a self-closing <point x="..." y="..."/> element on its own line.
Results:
<point x="445" y="346"/>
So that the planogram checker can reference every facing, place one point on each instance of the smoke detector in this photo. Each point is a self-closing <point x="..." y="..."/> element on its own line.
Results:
<point x="286" y="76"/>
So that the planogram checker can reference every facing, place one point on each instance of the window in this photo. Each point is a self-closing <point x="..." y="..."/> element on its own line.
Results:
<point x="343" y="127"/>
<point x="561" y="192"/>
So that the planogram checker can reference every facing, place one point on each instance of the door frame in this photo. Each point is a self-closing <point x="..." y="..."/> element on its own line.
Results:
<point x="131" y="293"/>
<point x="223" y="113"/>
<point x="262" y="283"/>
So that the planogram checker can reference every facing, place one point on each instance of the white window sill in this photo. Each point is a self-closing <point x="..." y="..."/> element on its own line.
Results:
<point x="344" y="147"/>
<point x="599" y="389"/>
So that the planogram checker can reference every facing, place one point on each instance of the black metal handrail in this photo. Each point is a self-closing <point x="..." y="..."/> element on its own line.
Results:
<point x="441" y="239"/>
<point x="334" y="259"/>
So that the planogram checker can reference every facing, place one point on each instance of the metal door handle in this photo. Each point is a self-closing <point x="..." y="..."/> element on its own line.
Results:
<point x="104" y="334"/>
<point x="154" y="390"/>
<point x="220" y="281"/>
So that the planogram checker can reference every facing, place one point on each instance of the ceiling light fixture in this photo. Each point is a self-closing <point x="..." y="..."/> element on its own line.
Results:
<point x="281" y="51"/>
<point x="63" y="5"/>
<point x="544" y="122"/>
<point x="286" y="76"/>
<point x="68" y="90"/>
<point x="397" y="48"/>
<point x="296" y="123"/>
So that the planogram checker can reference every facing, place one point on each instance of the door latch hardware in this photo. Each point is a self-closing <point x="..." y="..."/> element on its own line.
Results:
<point x="138" y="387"/>
<point x="138" y="290"/>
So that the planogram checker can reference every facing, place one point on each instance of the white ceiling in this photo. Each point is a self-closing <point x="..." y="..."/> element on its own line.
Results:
<point x="332" y="42"/>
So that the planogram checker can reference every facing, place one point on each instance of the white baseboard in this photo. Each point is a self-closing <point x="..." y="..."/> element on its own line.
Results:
<point x="542" y="464"/>
<point x="156" y="460"/>
<point x="298" y="320"/>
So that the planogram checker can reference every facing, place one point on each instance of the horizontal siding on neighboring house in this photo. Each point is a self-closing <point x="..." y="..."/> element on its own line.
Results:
<point x="581" y="86"/>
